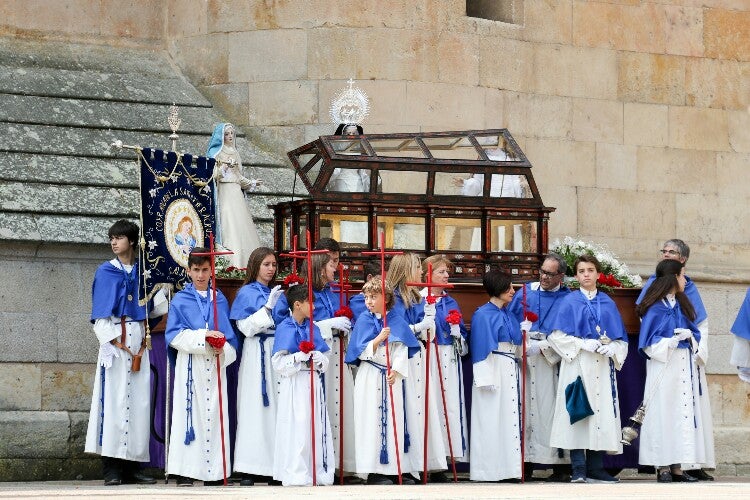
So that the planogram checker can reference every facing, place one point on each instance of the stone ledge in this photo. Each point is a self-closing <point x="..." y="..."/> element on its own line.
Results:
<point x="50" y="469"/>
<point x="34" y="434"/>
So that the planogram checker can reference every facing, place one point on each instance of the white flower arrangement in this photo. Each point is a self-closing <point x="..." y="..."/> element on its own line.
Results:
<point x="614" y="273"/>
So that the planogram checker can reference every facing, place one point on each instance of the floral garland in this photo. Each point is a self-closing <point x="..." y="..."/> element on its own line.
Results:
<point x="614" y="274"/>
<point x="224" y="270"/>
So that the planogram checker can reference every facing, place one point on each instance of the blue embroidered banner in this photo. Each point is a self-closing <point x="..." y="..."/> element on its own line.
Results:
<point x="177" y="213"/>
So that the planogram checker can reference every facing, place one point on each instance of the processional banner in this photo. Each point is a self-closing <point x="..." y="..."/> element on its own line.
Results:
<point x="177" y="213"/>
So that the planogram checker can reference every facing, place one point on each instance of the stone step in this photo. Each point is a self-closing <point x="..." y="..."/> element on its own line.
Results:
<point x="27" y="53"/>
<point x="103" y="114"/>
<point x="103" y="86"/>
<point x="118" y="172"/>
<point x="47" y="139"/>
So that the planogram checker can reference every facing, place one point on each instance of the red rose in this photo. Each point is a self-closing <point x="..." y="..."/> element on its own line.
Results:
<point x="306" y="346"/>
<point x="531" y="316"/>
<point x="293" y="279"/>
<point x="344" y="311"/>
<point x="217" y="342"/>
<point x="454" y="317"/>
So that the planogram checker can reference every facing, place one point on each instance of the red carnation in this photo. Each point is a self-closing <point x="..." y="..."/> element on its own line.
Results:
<point x="454" y="317"/>
<point x="293" y="279"/>
<point x="216" y="342"/>
<point x="431" y="299"/>
<point x="344" y="311"/>
<point x="531" y="316"/>
<point x="306" y="346"/>
<point x="231" y="268"/>
<point x="608" y="280"/>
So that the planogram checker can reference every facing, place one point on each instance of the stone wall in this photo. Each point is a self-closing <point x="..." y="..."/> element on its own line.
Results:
<point x="633" y="113"/>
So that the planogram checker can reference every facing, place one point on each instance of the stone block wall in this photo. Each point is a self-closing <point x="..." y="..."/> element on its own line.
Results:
<point x="633" y="113"/>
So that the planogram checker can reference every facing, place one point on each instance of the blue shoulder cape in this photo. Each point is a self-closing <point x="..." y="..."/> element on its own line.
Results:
<point x="249" y="299"/>
<point x="357" y="305"/>
<point x="289" y="334"/>
<point x="575" y="318"/>
<point x="491" y="325"/>
<point x="110" y="290"/>
<point x="186" y="314"/>
<point x="442" y="307"/>
<point x="412" y="315"/>
<point x="368" y="327"/>
<point x="659" y="323"/>
<point x="542" y="303"/>
<point x="690" y="290"/>
<point x="741" y="326"/>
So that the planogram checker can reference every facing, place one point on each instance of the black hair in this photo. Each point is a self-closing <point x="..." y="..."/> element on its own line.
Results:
<point x="342" y="126"/>
<point x="496" y="283"/>
<point x="328" y="244"/>
<point x="371" y="268"/>
<point x="296" y="293"/>
<point x="197" y="260"/>
<point x="667" y="271"/>
<point x="562" y="266"/>
<point x="124" y="227"/>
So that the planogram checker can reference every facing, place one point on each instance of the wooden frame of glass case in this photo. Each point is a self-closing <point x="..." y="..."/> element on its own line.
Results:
<point x="469" y="195"/>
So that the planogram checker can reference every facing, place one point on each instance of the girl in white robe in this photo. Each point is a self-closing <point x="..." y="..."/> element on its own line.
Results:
<point x="672" y="432"/>
<point x="495" y="393"/>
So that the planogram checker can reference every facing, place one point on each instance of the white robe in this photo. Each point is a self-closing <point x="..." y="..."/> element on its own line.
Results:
<point x="495" y="424"/>
<point x="705" y="418"/>
<point x="600" y="431"/>
<point x="200" y="459"/>
<point x="256" y="423"/>
<point x="415" y="406"/>
<point x="293" y="450"/>
<point x="452" y="371"/>
<point x="541" y="391"/>
<point x="125" y="429"/>
<point x="670" y="433"/>
<point x="236" y="227"/>
<point x="333" y="377"/>
<point x="368" y="398"/>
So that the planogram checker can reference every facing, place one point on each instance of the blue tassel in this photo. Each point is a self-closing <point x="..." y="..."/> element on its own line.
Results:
<point x="383" y="456"/>
<point x="407" y="443"/>
<point x="265" y="400"/>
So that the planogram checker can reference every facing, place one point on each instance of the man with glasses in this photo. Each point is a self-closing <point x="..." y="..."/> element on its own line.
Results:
<point x="542" y="298"/>
<point x="676" y="249"/>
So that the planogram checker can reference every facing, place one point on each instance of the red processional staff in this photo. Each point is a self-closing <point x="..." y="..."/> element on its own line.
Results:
<point x="344" y="289"/>
<point x="307" y="255"/>
<point x="432" y="299"/>
<point x="382" y="253"/>
<point x="217" y="343"/>
<point x="530" y="316"/>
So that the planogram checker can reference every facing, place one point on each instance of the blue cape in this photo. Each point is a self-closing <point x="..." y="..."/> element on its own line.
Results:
<point x="443" y="334"/>
<point x="659" y="323"/>
<point x="217" y="141"/>
<point x="357" y="305"/>
<point x="326" y="304"/>
<point x="413" y="314"/>
<point x="109" y="293"/>
<point x="368" y="327"/>
<point x="185" y="314"/>
<point x="544" y="304"/>
<point x="491" y="325"/>
<point x="690" y="290"/>
<point x="574" y="317"/>
<point x="289" y="334"/>
<point x="741" y="326"/>
<point x="249" y="299"/>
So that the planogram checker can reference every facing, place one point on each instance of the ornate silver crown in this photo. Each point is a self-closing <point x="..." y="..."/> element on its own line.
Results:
<point x="350" y="105"/>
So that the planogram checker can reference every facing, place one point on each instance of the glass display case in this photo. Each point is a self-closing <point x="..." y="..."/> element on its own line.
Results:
<point x="467" y="194"/>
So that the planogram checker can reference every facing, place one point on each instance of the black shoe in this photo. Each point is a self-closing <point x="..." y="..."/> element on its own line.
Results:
<point x="218" y="482"/>
<point x="379" y="479"/>
<point x="138" y="478"/>
<point x="274" y="482"/>
<point x="404" y="479"/>
<point x="353" y="480"/>
<point x="513" y="480"/>
<point x="438" y="477"/>
<point x="184" y="481"/>
<point x="683" y="478"/>
<point x="247" y="481"/>
<point x="699" y="474"/>
<point x="664" y="477"/>
<point x="112" y="481"/>
<point x="558" y="477"/>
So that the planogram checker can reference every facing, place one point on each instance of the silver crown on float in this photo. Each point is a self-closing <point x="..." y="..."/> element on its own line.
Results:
<point x="350" y="106"/>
